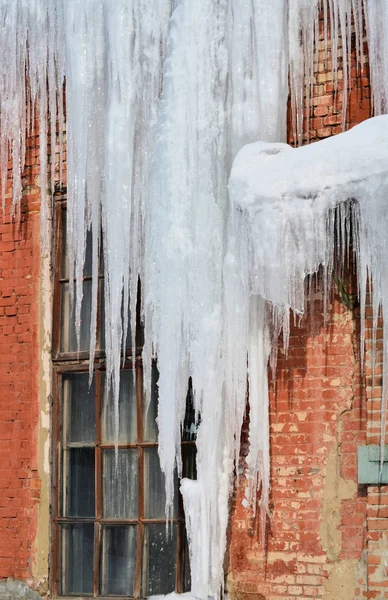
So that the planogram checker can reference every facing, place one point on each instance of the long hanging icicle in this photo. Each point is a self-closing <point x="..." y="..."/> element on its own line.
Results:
<point x="258" y="111"/>
<point x="376" y="16"/>
<point x="114" y="54"/>
<point x="307" y="38"/>
<point x="29" y="81"/>
<point x="183" y="270"/>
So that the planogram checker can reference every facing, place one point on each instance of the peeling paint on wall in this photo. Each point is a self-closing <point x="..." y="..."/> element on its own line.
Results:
<point x="40" y="566"/>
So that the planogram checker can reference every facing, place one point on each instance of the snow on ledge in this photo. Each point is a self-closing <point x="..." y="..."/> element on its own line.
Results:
<point x="284" y="197"/>
<point x="325" y="172"/>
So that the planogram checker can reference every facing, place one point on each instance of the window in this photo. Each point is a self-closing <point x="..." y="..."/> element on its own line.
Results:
<point x="109" y="529"/>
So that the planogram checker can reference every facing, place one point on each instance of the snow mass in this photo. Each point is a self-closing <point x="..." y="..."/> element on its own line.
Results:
<point x="161" y="95"/>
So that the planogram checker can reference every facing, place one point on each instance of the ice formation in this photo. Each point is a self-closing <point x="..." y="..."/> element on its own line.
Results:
<point x="282" y="225"/>
<point x="160" y="96"/>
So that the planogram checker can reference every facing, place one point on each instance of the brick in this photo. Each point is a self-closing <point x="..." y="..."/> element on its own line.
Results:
<point x="19" y="410"/>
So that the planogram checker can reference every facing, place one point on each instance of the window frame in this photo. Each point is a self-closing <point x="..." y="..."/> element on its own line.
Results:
<point x="65" y="363"/>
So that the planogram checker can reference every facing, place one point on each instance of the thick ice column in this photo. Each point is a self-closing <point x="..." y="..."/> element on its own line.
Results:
<point x="183" y="266"/>
<point x="259" y="69"/>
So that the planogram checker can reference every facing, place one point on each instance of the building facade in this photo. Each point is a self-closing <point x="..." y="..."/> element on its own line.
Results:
<point x="327" y="536"/>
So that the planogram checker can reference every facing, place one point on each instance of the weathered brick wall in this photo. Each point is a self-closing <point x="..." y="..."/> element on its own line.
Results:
<point x="19" y="371"/>
<point x="316" y="535"/>
<point x="327" y="535"/>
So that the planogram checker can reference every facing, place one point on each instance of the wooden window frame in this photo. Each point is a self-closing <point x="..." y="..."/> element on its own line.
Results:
<point x="65" y="363"/>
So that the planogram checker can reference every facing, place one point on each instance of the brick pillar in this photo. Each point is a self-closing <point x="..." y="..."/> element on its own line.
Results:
<point x="19" y="377"/>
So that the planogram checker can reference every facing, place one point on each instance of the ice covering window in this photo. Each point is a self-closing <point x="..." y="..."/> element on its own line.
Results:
<point x="109" y="522"/>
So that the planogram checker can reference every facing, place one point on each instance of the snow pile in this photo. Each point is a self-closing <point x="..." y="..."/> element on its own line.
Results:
<point x="174" y="596"/>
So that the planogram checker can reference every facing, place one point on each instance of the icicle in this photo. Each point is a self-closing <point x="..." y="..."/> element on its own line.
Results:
<point x="302" y="17"/>
<point x="339" y="19"/>
<point x="258" y="455"/>
<point x="258" y="74"/>
<point x="258" y="56"/>
<point x="376" y="16"/>
<point x="183" y="266"/>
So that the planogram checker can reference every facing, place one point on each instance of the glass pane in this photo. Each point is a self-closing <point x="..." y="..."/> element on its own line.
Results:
<point x="128" y="339"/>
<point x="159" y="559"/>
<point x="127" y="410"/>
<point x="189" y="463"/>
<point x="186" y="574"/>
<point x="150" y="427"/>
<point x="79" y="499"/>
<point x="88" y="255"/>
<point x="68" y="335"/>
<point x="77" y="558"/>
<point x="65" y="258"/>
<point x="154" y="488"/>
<point x="102" y="314"/>
<point x="118" y="559"/>
<point x="120" y="487"/>
<point x="79" y="408"/>
<point x="190" y="424"/>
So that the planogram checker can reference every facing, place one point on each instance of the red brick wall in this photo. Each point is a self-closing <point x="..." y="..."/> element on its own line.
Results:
<point x="19" y="384"/>
<point x="318" y="513"/>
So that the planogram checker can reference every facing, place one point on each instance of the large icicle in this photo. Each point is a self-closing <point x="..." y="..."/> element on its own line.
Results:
<point x="85" y="66"/>
<point x="183" y="269"/>
<point x="258" y="110"/>
<point x="114" y="56"/>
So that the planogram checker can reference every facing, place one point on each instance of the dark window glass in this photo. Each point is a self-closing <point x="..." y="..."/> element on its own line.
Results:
<point x="159" y="560"/>
<point x="77" y="558"/>
<point x="118" y="560"/>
